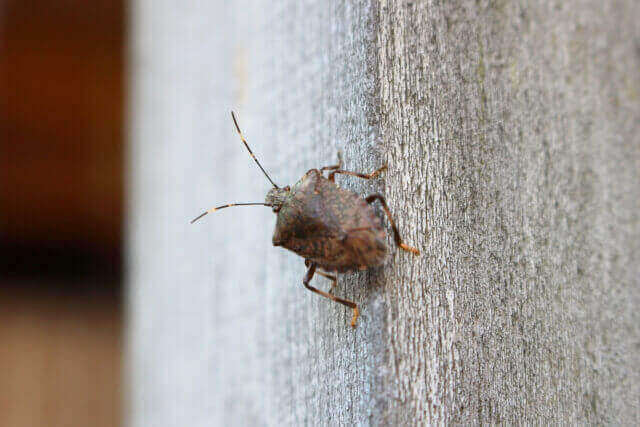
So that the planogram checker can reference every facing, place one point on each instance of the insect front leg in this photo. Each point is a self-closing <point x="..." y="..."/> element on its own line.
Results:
<point x="333" y="167"/>
<point x="396" y="235"/>
<point x="371" y="175"/>
<point x="350" y="304"/>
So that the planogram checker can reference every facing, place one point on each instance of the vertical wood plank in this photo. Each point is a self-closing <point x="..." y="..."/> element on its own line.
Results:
<point x="511" y="136"/>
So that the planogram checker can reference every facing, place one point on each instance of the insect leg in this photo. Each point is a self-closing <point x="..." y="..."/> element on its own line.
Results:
<point x="350" y="304"/>
<point x="334" y="279"/>
<point x="334" y="167"/>
<point x="396" y="235"/>
<point x="371" y="175"/>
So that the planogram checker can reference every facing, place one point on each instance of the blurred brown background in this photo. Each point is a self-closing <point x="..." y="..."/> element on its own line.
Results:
<point x="61" y="208"/>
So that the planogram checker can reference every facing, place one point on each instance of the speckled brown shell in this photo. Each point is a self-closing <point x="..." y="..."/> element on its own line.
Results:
<point x="330" y="226"/>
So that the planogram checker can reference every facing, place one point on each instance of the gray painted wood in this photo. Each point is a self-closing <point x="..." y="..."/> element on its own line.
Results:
<point x="512" y="138"/>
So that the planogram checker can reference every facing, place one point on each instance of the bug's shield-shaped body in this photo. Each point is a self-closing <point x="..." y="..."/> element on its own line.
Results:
<point x="330" y="226"/>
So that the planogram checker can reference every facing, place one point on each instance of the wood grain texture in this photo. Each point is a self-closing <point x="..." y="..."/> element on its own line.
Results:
<point x="512" y="135"/>
<point x="512" y="140"/>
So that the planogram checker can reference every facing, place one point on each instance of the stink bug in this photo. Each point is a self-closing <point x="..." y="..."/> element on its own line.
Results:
<point x="333" y="229"/>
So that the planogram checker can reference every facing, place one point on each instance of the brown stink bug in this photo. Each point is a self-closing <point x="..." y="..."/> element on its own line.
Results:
<point x="333" y="229"/>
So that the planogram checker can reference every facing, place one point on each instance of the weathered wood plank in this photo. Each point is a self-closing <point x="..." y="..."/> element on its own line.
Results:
<point x="512" y="139"/>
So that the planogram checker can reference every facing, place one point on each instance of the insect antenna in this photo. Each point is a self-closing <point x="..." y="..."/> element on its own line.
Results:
<point x="225" y="206"/>
<point x="235" y="122"/>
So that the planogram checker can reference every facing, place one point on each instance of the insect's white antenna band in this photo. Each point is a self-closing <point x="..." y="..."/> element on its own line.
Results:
<point x="225" y="206"/>
<point x="244" y="141"/>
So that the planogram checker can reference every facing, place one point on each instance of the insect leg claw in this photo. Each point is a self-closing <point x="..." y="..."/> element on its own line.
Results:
<point x="409" y="249"/>
<point x="356" y="314"/>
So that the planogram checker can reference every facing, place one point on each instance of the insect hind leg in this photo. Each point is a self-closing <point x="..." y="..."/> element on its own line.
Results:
<point x="334" y="279"/>
<point x="396" y="235"/>
<point x="307" y="278"/>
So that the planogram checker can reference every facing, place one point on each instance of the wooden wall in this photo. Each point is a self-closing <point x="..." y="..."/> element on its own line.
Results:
<point x="511" y="131"/>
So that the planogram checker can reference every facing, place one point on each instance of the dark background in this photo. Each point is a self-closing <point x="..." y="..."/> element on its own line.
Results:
<point x="61" y="211"/>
